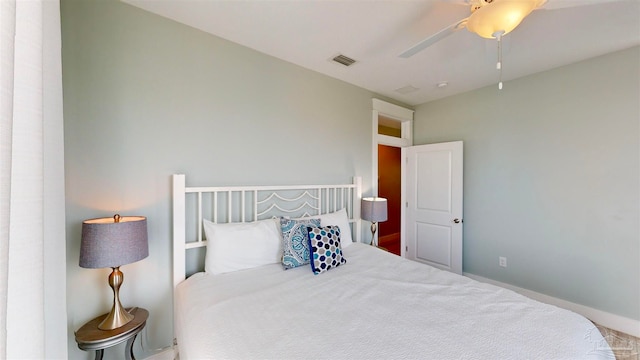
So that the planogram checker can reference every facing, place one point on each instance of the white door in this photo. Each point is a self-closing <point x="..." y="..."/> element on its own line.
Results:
<point x="432" y="194"/>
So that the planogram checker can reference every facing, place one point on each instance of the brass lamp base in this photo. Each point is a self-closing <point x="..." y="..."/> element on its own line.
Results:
<point x="118" y="316"/>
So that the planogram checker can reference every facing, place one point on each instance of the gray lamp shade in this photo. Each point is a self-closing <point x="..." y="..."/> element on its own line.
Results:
<point x="107" y="242"/>
<point x="374" y="209"/>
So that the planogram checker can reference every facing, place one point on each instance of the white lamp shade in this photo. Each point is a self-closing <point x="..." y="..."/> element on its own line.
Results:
<point x="374" y="209"/>
<point x="107" y="243"/>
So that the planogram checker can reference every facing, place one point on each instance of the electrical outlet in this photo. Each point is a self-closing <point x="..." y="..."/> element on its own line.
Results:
<point x="502" y="261"/>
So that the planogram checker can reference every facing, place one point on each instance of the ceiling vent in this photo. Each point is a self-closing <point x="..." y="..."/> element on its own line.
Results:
<point x="344" y="60"/>
<point x="407" y="89"/>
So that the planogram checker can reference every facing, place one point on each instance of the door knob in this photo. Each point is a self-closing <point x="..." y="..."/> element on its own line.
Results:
<point x="457" y="221"/>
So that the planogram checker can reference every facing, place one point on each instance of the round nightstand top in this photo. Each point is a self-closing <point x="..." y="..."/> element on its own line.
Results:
<point x="89" y="337"/>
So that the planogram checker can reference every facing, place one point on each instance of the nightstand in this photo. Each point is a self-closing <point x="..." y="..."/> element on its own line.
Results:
<point x="89" y="337"/>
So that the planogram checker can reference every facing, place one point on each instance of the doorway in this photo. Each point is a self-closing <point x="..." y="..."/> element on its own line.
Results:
<point x="390" y="187"/>
<point x="392" y="130"/>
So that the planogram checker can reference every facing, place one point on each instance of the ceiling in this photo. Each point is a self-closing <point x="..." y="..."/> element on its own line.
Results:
<point x="310" y="33"/>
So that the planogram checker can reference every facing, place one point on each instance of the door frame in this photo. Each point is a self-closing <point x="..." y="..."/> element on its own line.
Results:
<point x="405" y="117"/>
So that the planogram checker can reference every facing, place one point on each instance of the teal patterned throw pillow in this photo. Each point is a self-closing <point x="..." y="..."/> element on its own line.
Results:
<point x="295" y="241"/>
<point x="324" y="244"/>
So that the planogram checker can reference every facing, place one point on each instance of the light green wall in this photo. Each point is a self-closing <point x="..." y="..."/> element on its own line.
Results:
<point x="145" y="97"/>
<point x="551" y="179"/>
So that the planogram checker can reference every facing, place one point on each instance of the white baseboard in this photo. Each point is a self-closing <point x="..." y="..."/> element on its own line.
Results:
<point x="167" y="354"/>
<point x="612" y="321"/>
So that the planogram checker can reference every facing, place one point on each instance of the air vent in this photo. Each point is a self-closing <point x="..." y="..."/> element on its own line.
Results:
<point x="344" y="60"/>
<point x="407" y="89"/>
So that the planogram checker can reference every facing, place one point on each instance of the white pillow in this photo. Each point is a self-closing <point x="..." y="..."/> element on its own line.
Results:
<point x="338" y="218"/>
<point x="239" y="246"/>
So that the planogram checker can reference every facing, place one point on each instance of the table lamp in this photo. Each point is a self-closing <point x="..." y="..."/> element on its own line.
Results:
<point x="374" y="209"/>
<point x="113" y="242"/>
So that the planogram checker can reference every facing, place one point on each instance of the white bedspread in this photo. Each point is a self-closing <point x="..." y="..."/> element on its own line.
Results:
<point x="376" y="306"/>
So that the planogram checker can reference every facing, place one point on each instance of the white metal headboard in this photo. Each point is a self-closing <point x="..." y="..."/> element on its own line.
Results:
<point x="251" y="203"/>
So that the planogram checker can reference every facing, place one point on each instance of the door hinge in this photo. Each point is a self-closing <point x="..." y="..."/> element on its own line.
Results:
<point x="406" y="204"/>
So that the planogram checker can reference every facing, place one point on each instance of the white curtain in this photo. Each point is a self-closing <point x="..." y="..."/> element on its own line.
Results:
<point x="31" y="179"/>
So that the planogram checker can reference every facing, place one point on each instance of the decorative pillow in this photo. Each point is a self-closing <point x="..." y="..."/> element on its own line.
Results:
<point x="295" y="241"/>
<point x="326" y="253"/>
<point x="239" y="246"/>
<point x="340" y="219"/>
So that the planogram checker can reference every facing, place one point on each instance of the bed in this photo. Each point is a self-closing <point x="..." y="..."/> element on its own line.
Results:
<point x="372" y="305"/>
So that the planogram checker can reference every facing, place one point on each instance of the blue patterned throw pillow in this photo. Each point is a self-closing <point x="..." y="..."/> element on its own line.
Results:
<point x="324" y="244"/>
<point x="295" y="241"/>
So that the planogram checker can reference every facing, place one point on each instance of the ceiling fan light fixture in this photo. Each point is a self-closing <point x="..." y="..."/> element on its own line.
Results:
<point x="500" y="16"/>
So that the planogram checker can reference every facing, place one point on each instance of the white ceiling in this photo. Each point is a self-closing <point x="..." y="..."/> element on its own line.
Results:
<point x="310" y="33"/>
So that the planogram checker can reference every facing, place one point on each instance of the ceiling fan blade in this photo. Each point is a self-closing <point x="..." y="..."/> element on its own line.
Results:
<point x="561" y="4"/>
<point x="434" y="38"/>
<point x="457" y="2"/>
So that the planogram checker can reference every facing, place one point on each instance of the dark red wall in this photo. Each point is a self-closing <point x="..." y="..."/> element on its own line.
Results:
<point x="389" y="187"/>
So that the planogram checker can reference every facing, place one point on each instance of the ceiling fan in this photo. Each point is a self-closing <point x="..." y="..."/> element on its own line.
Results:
<point x="492" y="19"/>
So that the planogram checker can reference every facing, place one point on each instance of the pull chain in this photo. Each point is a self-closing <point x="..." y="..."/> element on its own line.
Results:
<point x="499" y="64"/>
<point x="498" y="36"/>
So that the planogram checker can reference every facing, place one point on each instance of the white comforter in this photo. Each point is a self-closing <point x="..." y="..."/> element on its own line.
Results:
<point x="376" y="306"/>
